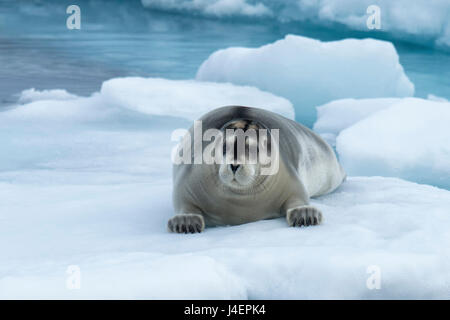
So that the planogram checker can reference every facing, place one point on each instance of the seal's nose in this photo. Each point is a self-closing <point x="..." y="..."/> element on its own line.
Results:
<point x="234" y="167"/>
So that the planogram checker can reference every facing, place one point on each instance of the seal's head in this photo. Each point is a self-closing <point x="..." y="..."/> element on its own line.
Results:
<point x="244" y="146"/>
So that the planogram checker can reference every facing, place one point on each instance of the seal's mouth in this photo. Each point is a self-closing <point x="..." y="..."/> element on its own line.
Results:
<point x="236" y="182"/>
<point x="243" y="179"/>
<point x="243" y="189"/>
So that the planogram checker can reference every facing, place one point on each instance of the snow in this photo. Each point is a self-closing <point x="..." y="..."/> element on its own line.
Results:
<point x="421" y="21"/>
<point x="115" y="234"/>
<point x="335" y="116"/>
<point x="86" y="182"/>
<point x="135" y="97"/>
<point x="188" y="98"/>
<point x="406" y="138"/>
<point x="309" y="72"/>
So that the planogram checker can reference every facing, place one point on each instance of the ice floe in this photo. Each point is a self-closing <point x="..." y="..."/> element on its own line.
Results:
<point x="310" y="72"/>
<point x="407" y="138"/>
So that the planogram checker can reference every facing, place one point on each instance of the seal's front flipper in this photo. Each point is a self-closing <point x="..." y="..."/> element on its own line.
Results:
<point x="186" y="223"/>
<point x="303" y="216"/>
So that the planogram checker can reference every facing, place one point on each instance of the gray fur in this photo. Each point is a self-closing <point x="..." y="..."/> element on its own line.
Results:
<point x="308" y="168"/>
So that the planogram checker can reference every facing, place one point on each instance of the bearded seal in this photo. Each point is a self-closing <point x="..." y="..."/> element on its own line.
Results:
<point x="230" y="194"/>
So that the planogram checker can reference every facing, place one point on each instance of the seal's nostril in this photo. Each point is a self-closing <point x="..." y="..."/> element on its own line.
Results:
<point x="234" y="167"/>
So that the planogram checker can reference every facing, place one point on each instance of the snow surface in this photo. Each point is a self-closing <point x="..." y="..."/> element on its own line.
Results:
<point x="420" y="21"/>
<point x="187" y="98"/>
<point x="335" y="116"/>
<point x="131" y="96"/>
<point x="309" y="72"/>
<point x="87" y="182"/>
<point x="407" y="138"/>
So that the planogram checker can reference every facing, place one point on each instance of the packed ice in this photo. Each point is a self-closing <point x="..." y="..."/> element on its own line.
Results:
<point x="407" y="138"/>
<point x="419" y="21"/>
<point x="86" y="185"/>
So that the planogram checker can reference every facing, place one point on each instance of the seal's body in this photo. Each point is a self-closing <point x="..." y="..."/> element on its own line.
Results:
<point x="224" y="194"/>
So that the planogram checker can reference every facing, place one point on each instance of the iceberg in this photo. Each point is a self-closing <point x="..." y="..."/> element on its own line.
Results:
<point x="189" y="98"/>
<point x="309" y="72"/>
<point x="337" y="115"/>
<point x="406" y="138"/>
<point x="143" y="96"/>
<point x="422" y="21"/>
